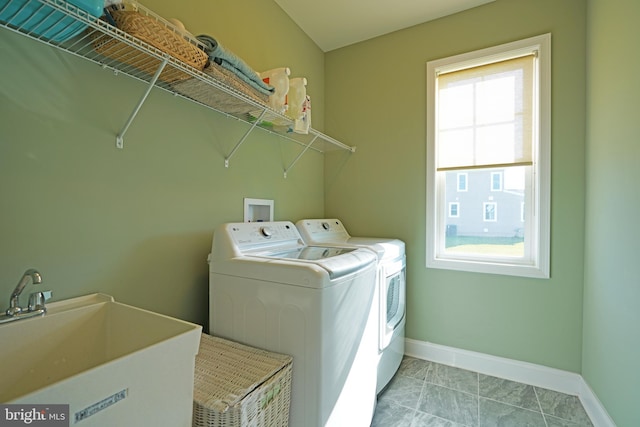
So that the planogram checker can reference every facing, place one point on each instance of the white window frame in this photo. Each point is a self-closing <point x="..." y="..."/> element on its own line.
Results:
<point x="536" y="262"/>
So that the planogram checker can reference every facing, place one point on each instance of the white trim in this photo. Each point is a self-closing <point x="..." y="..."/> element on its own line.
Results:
<point x="595" y="409"/>
<point x="514" y="370"/>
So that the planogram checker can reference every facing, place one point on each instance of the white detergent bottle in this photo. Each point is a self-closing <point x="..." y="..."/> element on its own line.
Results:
<point x="295" y="97"/>
<point x="303" y="124"/>
<point x="279" y="79"/>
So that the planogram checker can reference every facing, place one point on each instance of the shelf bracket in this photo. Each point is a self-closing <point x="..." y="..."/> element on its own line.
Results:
<point x="134" y="113"/>
<point x="244" y="137"/>
<point x="300" y="155"/>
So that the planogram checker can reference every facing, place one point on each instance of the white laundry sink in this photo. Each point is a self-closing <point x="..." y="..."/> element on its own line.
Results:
<point x="113" y="364"/>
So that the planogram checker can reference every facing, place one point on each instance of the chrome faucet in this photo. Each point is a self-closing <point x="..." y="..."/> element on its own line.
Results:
<point x="36" y="305"/>
<point x="14" y="304"/>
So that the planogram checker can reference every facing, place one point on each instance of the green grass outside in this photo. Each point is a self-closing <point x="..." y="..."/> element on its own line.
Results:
<point x="510" y="246"/>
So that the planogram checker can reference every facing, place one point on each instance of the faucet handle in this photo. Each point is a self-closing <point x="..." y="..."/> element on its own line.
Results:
<point x="37" y="300"/>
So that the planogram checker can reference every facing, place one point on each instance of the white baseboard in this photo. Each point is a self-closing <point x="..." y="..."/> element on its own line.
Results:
<point x="524" y="372"/>
<point x="596" y="410"/>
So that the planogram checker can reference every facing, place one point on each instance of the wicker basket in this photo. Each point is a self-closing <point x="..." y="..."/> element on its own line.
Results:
<point x="238" y="385"/>
<point x="144" y="25"/>
<point x="205" y="93"/>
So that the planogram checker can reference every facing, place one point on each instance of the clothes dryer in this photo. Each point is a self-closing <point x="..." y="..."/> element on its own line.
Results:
<point x="270" y="290"/>
<point x="390" y="280"/>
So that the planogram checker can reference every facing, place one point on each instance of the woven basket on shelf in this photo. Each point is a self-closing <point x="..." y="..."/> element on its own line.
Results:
<point x="158" y="34"/>
<point x="205" y="93"/>
<point x="237" y="385"/>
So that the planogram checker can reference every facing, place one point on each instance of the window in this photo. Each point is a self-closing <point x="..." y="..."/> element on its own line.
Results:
<point x="490" y="211"/>
<point x="496" y="181"/>
<point x="488" y="134"/>
<point x="462" y="181"/>
<point x="454" y="210"/>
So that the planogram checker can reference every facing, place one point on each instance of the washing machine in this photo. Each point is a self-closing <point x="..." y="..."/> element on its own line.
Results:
<point x="390" y="280"/>
<point x="270" y="290"/>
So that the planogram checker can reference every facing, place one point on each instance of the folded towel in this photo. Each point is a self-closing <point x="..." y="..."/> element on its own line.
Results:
<point x="210" y="44"/>
<point x="234" y="64"/>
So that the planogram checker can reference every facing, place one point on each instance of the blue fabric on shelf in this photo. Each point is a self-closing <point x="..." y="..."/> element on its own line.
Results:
<point x="231" y="62"/>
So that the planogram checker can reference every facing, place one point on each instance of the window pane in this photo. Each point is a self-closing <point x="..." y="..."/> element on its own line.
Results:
<point x="495" y="100"/>
<point x="456" y="146"/>
<point x="456" y="107"/>
<point x="495" y="144"/>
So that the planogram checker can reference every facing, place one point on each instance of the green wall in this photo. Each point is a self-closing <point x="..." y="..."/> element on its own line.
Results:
<point x="612" y="290"/>
<point x="375" y="99"/>
<point x="137" y="223"/>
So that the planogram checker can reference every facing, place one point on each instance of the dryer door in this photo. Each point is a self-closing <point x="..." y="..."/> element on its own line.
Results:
<point x="392" y="299"/>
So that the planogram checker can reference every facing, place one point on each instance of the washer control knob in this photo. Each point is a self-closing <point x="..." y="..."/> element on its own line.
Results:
<point x="266" y="232"/>
<point x="326" y="225"/>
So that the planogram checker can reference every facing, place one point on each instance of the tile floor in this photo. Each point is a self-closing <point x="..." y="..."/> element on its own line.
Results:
<point x="425" y="393"/>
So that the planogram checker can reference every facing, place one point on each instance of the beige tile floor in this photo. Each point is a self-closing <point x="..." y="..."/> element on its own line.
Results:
<point x="424" y="393"/>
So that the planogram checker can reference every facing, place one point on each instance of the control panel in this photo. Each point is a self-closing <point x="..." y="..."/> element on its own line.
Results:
<point x="247" y="235"/>
<point x="323" y="230"/>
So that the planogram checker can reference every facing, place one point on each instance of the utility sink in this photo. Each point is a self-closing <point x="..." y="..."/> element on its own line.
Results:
<point x="112" y="363"/>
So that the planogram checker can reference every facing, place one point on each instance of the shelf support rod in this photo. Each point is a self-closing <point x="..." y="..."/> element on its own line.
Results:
<point x="244" y="137"/>
<point x="300" y="155"/>
<point x="134" y="113"/>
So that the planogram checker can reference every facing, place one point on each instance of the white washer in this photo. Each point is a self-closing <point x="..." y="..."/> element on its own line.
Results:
<point x="268" y="289"/>
<point x="391" y="280"/>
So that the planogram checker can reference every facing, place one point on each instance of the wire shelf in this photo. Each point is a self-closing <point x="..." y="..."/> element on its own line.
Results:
<point x="62" y="25"/>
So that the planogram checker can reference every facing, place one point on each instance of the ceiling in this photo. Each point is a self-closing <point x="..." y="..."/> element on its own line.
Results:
<point x="332" y="24"/>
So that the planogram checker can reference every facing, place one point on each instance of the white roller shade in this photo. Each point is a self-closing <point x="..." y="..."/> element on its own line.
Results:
<point x="485" y="115"/>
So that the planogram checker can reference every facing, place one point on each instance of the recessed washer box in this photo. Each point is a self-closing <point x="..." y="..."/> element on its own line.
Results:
<point x="258" y="210"/>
